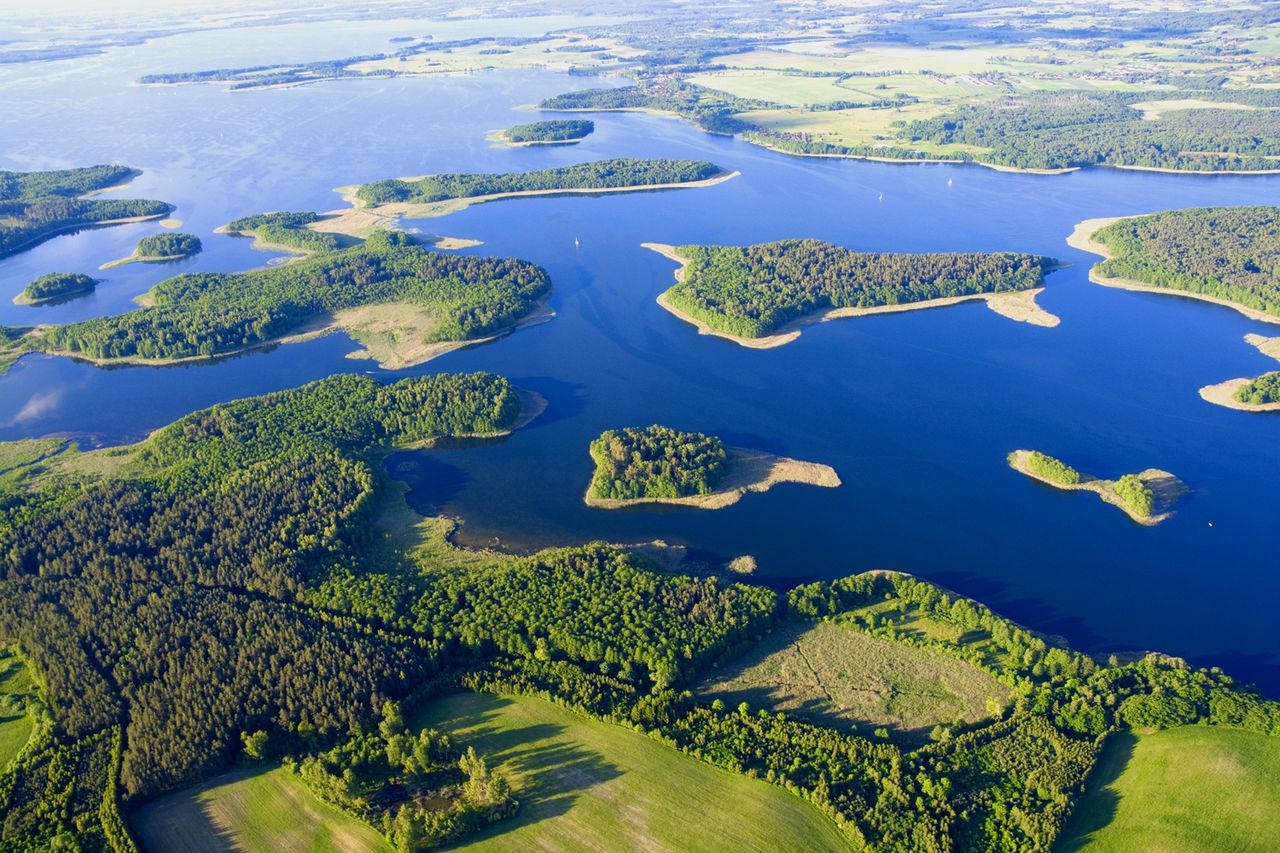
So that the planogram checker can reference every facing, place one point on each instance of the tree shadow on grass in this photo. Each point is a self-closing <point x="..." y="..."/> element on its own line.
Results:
<point x="549" y="777"/>
<point x="184" y="821"/>
<point x="1100" y="802"/>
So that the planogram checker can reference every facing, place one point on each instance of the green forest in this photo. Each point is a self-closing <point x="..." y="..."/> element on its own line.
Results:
<point x="1067" y="129"/>
<point x="55" y="285"/>
<point x="285" y="229"/>
<point x="1261" y="391"/>
<point x="35" y="206"/>
<point x="1055" y="470"/>
<point x="710" y="110"/>
<point x="207" y="314"/>
<point x="1230" y="253"/>
<point x="656" y="462"/>
<point x="751" y="291"/>
<point x="256" y="618"/>
<point x="599" y="174"/>
<point x="556" y="130"/>
<point x="168" y="246"/>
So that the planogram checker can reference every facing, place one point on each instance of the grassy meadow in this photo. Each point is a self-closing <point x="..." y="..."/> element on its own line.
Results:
<point x="585" y="785"/>
<point x="1194" y="789"/>
<point x="838" y="676"/>
<point x="253" y="811"/>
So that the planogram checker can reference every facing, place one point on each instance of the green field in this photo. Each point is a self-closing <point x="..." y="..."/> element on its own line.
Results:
<point x="589" y="786"/>
<point x="1189" y="789"/>
<point x="834" y="675"/>
<point x="250" y="811"/>
<point x="16" y="684"/>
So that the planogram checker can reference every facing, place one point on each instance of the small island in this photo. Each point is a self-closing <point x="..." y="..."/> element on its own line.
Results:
<point x="761" y="296"/>
<point x="555" y="132"/>
<point x="159" y="249"/>
<point x="1147" y="497"/>
<point x="658" y="464"/>
<point x="55" y="286"/>
<point x="40" y="205"/>
<point x="1223" y="255"/>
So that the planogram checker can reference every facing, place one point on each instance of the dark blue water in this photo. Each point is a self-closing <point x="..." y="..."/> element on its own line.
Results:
<point x="915" y="411"/>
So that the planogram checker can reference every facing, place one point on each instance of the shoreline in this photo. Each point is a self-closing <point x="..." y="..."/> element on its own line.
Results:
<point x="1081" y="238"/>
<point x="1223" y="393"/>
<point x="748" y="471"/>
<point x="1168" y="488"/>
<point x="1018" y="305"/>
<point x="135" y="258"/>
<point x="532" y="405"/>
<point x="911" y="161"/>
<point x="23" y="299"/>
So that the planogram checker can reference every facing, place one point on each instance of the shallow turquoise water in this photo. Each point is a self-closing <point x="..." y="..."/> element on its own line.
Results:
<point x="915" y="411"/>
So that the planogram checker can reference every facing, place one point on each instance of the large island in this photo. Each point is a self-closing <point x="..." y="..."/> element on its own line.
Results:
<point x="761" y="296"/>
<point x="661" y="465"/>
<point x="406" y="304"/>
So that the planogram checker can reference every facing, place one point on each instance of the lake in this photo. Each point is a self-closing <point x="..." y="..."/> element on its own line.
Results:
<point x="915" y="411"/>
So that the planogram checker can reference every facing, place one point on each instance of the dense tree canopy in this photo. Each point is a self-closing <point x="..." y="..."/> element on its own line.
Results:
<point x="168" y="245"/>
<point x="751" y="291"/>
<point x="556" y="130"/>
<point x="285" y="229"/>
<point x="54" y="285"/>
<point x="1230" y="253"/>
<point x="1260" y="391"/>
<point x="656" y="462"/>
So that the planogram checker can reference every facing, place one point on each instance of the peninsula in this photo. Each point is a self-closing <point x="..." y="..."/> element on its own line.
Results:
<point x="55" y="286"/>
<point x="761" y="296"/>
<point x="35" y="206"/>
<point x="409" y="303"/>
<point x="1222" y="255"/>
<point x="1147" y="497"/>
<point x="159" y="249"/>
<point x="658" y="464"/>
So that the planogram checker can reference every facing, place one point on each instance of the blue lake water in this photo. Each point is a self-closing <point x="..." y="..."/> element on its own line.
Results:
<point x="915" y="411"/>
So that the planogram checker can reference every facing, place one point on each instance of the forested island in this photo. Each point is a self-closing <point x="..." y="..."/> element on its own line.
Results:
<point x="760" y="296"/>
<point x="55" y="286"/>
<point x="658" y="464"/>
<point x="407" y="304"/>
<point x="161" y="248"/>
<point x="554" y="132"/>
<point x="35" y="206"/>
<point x="1147" y="497"/>
<point x="292" y="548"/>
<point x="436" y="195"/>
<point x="1225" y="255"/>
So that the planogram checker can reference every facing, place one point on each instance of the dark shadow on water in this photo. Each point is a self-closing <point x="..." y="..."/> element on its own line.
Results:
<point x="432" y="483"/>
<point x="1047" y="618"/>
<point x="1100" y="802"/>
<point x="565" y="400"/>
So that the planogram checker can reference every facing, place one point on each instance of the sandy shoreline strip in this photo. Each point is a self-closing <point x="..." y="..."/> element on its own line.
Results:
<point x="1166" y="486"/>
<point x="748" y="471"/>
<point x="1082" y="238"/>
<point x="1224" y="393"/>
<point x="1017" y="305"/>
